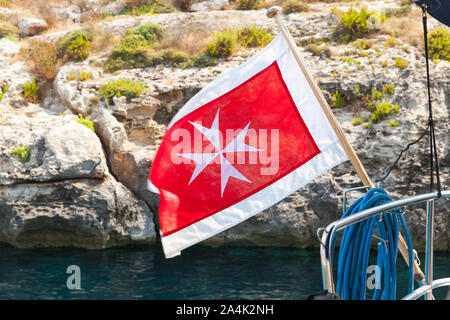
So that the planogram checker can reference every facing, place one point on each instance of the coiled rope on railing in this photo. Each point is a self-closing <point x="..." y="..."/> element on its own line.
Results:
<point x="355" y="249"/>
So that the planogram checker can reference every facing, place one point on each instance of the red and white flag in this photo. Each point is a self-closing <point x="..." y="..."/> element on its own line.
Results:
<point x="243" y="143"/>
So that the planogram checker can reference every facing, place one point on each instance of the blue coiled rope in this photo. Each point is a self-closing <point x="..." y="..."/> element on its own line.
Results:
<point x="355" y="248"/>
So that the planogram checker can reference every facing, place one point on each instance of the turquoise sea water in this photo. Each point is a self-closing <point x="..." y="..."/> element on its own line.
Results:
<point x="199" y="273"/>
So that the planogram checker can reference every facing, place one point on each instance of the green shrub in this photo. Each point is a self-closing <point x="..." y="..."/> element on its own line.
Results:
<point x="376" y="95"/>
<point x="136" y="11"/>
<point x="383" y="111"/>
<point x="400" y="63"/>
<point x="75" y="46"/>
<point x="224" y="45"/>
<point x="133" y="51"/>
<point x="162" y="7"/>
<point x="3" y="90"/>
<point x="201" y="61"/>
<point x="439" y="45"/>
<point x="126" y="58"/>
<point x="253" y="36"/>
<point x="225" y="42"/>
<point x="352" y="25"/>
<point x="169" y="57"/>
<point x="72" y="76"/>
<point x="368" y="126"/>
<point x="338" y="100"/>
<point x="248" y="4"/>
<point x="372" y="99"/>
<point x="389" y="88"/>
<point x="291" y="6"/>
<point x="6" y="3"/>
<point x="351" y="61"/>
<point x="406" y="49"/>
<point x="65" y="41"/>
<point x="393" y="123"/>
<point x="8" y="31"/>
<point x="357" y="121"/>
<point x="133" y="42"/>
<point x="155" y="7"/>
<point x="85" y="122"/>
<point x="391" y="42"/>
<point x="363" y="44"/>
<point x="380" y="109"/>
<point x="21" y="152"/>
<point x="79" y="49"/>
<point x="174" y="58"/>
<point x="145" y="57"/>
<point x="318" y="50"/>
<point x="150" y="31"/>
<point x="82" y="76"/>
<point x="31" y="91"/>
<point x="122" y="87"/>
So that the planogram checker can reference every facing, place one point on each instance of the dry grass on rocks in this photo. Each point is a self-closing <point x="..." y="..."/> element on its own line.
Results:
<point x="43" y="58"/>
<point x="407" y="28"/>
<point x="190" y="39"/>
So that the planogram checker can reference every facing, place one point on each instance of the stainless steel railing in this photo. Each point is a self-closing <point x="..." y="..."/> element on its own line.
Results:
<point x="427" y="289"/>
<point x="332" y="228"/>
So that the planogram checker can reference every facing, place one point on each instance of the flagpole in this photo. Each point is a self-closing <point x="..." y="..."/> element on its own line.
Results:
<point x="274" y="12"/>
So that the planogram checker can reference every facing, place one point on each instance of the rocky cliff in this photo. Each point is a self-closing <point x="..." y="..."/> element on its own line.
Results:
<point x="87" y="188"/>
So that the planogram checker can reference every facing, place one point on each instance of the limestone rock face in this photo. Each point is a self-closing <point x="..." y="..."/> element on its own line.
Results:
<point x="8" y="49"/>
<point x="64" y="194"/>
<point x="72" y="13"/>
<point x="31" y="26"/>
<point x="113" y="7"/>
<point x="131" y="131"/>
<point x="13" y="76"/>
<point x="209" y="5"/>
<point x="104" y="173"/>
<point x="60" y="148"/>
<point x="127" y="129"/>
<point x="85" y="213"/>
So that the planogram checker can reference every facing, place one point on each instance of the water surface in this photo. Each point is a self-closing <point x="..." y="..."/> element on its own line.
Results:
<point x="199" y="273"/>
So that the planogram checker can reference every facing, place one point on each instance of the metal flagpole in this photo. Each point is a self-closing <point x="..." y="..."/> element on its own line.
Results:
<point x="274" y="12"/>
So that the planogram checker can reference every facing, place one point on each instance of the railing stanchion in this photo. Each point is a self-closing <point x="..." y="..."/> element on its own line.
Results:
<point x="429" y="247"/>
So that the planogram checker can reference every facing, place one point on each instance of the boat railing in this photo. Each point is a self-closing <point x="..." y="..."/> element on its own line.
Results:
<point x="330" y="231"/>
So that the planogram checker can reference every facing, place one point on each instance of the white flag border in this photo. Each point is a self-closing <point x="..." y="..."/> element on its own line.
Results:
<point x="309" y="108"/>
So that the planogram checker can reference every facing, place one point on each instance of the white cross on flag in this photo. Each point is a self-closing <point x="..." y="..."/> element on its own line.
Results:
<point x="246" y="141"/>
